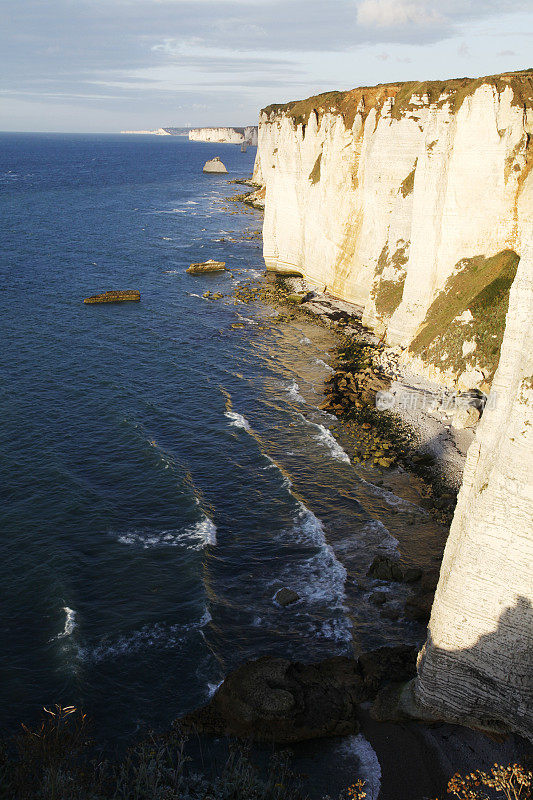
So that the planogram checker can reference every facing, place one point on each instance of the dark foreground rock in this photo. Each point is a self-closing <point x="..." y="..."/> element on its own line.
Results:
<point x="276" y="700"/>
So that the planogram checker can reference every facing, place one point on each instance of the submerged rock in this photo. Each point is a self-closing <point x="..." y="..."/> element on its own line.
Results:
<point x="206" y="266"/>
<point x="118" y="296"/>
<point x="215" y="165"/>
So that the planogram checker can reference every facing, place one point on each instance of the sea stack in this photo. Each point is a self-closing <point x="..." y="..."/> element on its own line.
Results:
<point x="215" y="165"/>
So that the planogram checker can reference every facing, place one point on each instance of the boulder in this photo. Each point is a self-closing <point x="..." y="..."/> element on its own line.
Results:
<point x="215" y="165"/>
<point x="285" y="597"/>
<point x="276" y="700"/>
<point x="465" y="417"/>
<point x="206" y="266"/>
<point x="387" y="665"/>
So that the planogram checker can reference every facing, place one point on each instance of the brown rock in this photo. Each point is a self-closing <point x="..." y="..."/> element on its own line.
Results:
<point x="115" y="296"/>
<point x="275" y="700"/>
<point x="206" y="266"/>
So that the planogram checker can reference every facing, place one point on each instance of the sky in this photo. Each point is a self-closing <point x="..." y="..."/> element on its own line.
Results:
<point x="110" y="65"/>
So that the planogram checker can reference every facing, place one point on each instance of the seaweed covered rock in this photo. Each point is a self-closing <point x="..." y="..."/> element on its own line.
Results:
<point x="115" y="296"/>
<point x="206" y="266"/>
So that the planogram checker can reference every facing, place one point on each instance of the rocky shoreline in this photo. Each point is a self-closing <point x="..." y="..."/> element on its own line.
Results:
<point x="275" y="700"/>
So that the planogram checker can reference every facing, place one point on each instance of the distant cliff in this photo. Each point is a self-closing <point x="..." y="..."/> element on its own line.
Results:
<point x="163" y="132"/>
<point x="415" y="201"/>
<point x="246" y="135"/>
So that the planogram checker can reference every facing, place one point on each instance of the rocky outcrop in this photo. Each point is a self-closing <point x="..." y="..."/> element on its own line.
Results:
<point x="119" y="296"/>
<point x="476" y="665"/>
<point x="206" y="266"/>
<point x="416" y="202"/>
<point x="246" y="135"/>
<point x="276" y="700"/>
<point x="400" y="197"/>
<point x="215" y="165"/>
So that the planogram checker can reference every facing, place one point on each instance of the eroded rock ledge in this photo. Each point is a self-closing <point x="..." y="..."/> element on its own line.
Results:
<point x="276" y="700"/>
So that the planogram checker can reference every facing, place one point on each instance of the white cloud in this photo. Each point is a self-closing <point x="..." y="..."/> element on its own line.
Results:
<point x="390" y="13"/>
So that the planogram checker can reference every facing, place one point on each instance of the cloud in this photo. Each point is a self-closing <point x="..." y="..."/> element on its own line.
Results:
<point x="390" y="13"/>
<point x="463" y="50"/>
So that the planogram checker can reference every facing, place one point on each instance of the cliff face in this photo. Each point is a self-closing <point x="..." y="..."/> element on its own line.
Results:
<point x="225" y="135"/>
<point x="416" y="202"/>
<point x="384" y="195"/>
<point x="476" y="664"/>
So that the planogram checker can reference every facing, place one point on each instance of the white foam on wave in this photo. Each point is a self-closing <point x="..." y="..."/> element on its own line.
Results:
<point x="287" y="484"/>
<point x="392" y="499"/>
<point x="194" y="537"/>
<point x="212" y="688"/>
<point x="70" y="623"/>
<point x="246" y="319"/>
<point x="320" y="579"/>
<point x="369" y="768"/>
<point x="294" y="392"/>
<point x="322" y="363"/>
<point x="325" y="436"/>
<point x="305" y="340"/>
<point x="158" y="636"/>
<point x="376" y="537"/>
<point x="237" y="420"/>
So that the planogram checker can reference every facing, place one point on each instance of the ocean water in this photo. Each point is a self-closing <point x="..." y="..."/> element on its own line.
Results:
<point x="162" y="473"/>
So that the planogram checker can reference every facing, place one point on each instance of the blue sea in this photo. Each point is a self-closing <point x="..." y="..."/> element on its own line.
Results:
<point x="163" y="473"/>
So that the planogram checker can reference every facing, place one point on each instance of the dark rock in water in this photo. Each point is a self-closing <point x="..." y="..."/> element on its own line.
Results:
<point x="119" y="296"/>
<point x="284" y="597"/>
<point x="275" y="700"/>
<point x="387" y="665"/>
<point x="419" y="607"/>
<point x="206" y="266"/>
<point x="387" y="569"/>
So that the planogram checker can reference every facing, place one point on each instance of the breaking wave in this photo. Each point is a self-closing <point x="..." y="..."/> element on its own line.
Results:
<point x="237" y="420"/>
<point x="195" y="537"/>
<point x="294" y="393"/>
<point x="158" y="636"/>
<point x="70" y="623"/>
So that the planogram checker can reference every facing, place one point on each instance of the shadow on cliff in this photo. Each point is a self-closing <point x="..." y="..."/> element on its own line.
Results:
<point x="488" y="685"/>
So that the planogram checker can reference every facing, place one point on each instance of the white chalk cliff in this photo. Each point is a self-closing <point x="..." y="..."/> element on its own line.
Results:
<point x="477" y="666"/>
<point x="415" y="202"/>
<point x="246" y="135"/>
<point x="382" y="195"/>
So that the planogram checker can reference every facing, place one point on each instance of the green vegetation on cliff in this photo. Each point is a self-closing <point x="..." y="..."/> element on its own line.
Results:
<point x="481" y="286"/>
<point x="455" y="91"/>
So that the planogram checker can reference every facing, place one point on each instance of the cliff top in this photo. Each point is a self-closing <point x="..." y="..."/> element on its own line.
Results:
<point x="453" y="91"/>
